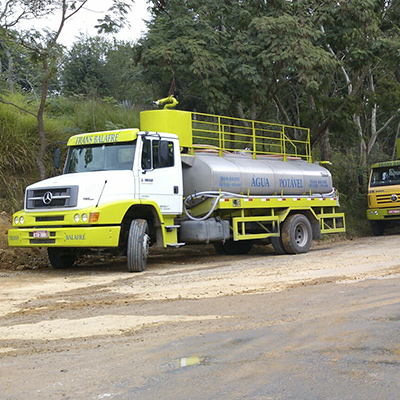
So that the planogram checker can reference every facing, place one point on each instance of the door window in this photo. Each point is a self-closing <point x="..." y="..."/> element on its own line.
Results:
<point x="157" y="154"/>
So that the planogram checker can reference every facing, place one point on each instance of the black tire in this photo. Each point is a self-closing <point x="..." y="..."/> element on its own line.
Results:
<point x="377" y="227"/>
<point x="296" y="234"/>
<point x="61" y="258"/>
<point x="138" y="245"/>
<point x="231" y="247"/>
<point x="278" y="245"/>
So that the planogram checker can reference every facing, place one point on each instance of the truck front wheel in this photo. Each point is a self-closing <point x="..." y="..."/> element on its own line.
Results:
<point x="61" y="258"/>
<point x="138" y="245"/>
<point x="377" y="227"/>
<point x="296" y="234"/>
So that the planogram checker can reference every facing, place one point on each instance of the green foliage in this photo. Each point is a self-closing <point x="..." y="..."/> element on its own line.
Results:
<point x="96" y="68"/>
<point x="84" y="70"/>
<point x="345" y="171"/>
<point x="91" y="116"/>
<point x="17" y="136"/>
<point x="17" y="161"/>
<point x="64" y="117"/>
<point x="331" y="66"/>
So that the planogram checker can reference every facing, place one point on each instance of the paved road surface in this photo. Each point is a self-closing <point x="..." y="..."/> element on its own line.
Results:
<point x="322" y="325"/>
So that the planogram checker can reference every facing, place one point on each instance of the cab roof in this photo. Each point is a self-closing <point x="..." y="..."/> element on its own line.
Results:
<point x="386" y="164"/>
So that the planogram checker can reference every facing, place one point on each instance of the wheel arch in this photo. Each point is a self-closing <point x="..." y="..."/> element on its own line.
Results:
<point x="150" y="214"/>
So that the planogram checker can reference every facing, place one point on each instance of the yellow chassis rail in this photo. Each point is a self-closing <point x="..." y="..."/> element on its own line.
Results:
<point x="269" y="213"/>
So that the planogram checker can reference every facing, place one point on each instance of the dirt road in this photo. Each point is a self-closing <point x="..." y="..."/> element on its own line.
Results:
<point x="195" y="325"/>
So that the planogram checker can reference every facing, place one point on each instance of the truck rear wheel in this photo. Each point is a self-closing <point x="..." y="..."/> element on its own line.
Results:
<point x="296" y="234"/>
<point x="377" y="227"/>
<point x="138" y="245"/>
<point x="61" y="258"/>
<point x="231" y="247"/>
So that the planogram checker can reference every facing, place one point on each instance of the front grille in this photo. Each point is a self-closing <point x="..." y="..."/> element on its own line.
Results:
<point x="42" y="241"/>
<point x="49" y="219"/>
<point x="386" y="199"/>
<point x="54" y="197"/>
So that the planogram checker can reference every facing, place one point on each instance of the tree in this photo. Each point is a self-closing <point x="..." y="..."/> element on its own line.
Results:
<point x="327" y="65"/>
<point x="84" y="70"/>
<point x="96" y="67"/>
<point x="43" y="47"/>
<point x="363" y="37"/>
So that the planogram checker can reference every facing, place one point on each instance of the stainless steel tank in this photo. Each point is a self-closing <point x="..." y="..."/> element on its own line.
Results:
<point x="264" y="176"/>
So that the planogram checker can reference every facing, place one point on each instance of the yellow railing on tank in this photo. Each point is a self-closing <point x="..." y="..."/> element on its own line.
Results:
<point x="256" y="138"/>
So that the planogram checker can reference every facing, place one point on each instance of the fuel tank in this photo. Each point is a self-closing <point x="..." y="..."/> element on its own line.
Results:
<point x="237" y="174"/>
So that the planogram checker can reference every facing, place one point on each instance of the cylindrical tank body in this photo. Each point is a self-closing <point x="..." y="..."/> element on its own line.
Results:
<point x="263" y="176"/>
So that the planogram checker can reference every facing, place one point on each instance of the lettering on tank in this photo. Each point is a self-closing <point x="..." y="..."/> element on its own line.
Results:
<point x="289" y="183"/>
<point x="229" y="182"/>
<point x="319" y="184"/>
<point x="259" y="182"/>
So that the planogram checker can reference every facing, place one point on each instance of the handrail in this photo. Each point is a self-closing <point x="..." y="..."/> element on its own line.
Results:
<point x="256" y="138"/>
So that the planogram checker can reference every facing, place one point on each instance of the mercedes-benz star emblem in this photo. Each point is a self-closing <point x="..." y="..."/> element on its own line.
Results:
<point x="393" y="197"/>
<point x="47" y="197"/>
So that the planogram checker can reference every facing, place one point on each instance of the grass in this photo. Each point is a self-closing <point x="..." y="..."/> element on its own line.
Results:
<point x="19" y="139"/>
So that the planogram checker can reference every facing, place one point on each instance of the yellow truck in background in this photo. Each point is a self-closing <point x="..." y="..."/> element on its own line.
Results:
<point x="384" y="195"/>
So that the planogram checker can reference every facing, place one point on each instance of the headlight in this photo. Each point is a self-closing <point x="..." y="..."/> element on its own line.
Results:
<point x="77" y="218"/>
<point x="16" y="220"/>
<point x="21" y="220"/>
<point x="84" y="217"/>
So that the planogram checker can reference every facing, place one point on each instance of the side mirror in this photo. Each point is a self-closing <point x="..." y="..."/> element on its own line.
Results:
<point x="361" y="179"/>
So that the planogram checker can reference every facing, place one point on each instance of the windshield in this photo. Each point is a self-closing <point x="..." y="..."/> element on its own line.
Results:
<point x="385" y="176"/>
<point x="106" y="157"/>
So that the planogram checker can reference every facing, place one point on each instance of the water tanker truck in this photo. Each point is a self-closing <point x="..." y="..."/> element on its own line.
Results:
<point x="184" y="177"/>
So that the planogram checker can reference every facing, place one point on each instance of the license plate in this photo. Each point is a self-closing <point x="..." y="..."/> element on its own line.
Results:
<point x="396" y="211"/>
<point x="40" y="234"/>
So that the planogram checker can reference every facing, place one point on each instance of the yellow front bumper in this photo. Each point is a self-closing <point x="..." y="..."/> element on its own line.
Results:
<point x="95" y="236"/>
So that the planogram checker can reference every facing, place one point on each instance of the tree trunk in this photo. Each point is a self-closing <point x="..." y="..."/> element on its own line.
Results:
<point x="10" y="68"/>
<point x="325" y="146"/>
<point x="40" y="117"/>
<point x="363" y="145"/>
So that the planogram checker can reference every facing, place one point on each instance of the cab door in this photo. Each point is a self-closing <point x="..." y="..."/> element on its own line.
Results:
<point x="160" y="177"/>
